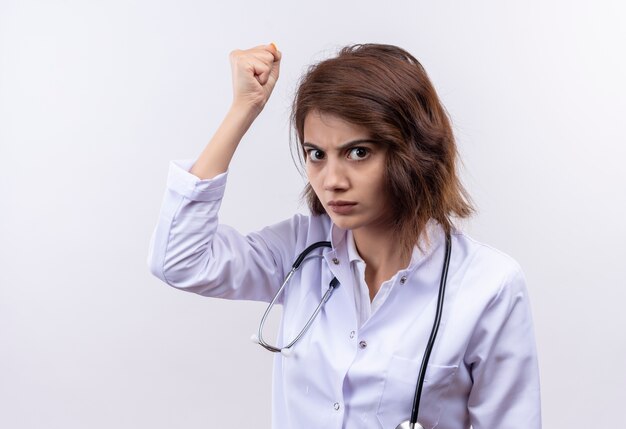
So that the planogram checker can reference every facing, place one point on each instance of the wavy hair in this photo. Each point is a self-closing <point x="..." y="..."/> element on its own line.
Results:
<point x="386" y="90"/>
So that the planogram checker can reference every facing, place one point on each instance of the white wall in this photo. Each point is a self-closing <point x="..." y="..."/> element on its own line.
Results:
<point x="97" y="97"/>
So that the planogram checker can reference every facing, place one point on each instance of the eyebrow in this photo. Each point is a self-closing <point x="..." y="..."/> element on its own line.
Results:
<point x="343" y="146"/>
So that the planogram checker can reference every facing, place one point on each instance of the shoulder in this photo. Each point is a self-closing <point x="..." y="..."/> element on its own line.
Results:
<point x="297" y="231"/>
<point x="480" y="252"/>
<point x="485" y="271"/>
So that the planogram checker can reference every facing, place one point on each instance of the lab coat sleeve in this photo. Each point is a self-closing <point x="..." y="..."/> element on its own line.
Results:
<point x="190" y="250"/>
<point x="503" y="360"/>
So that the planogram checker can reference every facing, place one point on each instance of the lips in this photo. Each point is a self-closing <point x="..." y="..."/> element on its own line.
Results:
<point x="341" y="203"/>
<point x="341" y="207"/>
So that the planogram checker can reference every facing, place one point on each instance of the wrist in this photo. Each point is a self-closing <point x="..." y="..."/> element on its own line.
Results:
<point x="244" y="111"/>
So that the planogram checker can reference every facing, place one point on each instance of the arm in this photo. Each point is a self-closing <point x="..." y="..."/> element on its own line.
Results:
<point x="254" y="72"/>
<point x="188" y="249"/>
<point x="503" y="360"/>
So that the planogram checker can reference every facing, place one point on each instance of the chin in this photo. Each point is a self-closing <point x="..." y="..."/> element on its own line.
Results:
<point x="356" y="221"/>
<point x="345" y="222"/>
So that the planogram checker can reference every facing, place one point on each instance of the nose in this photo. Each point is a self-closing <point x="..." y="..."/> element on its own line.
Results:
<point x="335" y="178"/>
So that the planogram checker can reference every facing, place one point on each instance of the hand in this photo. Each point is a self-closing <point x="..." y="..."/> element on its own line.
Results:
<point x="254" y="72"/>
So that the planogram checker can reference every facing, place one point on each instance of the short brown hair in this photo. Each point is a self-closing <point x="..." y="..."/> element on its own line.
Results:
<point x="386" y="90"/>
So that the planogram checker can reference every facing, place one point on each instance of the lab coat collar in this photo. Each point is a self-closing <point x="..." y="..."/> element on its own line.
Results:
<point x="431" y="238"/>
<point x="337" y="257"/>
<point x="343" y="252"/>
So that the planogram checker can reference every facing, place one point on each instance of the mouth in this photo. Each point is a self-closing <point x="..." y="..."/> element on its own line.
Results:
<point x="341" y="207"/>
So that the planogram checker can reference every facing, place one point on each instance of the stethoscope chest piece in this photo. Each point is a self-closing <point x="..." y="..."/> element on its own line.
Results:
<point x="408" y="425"/>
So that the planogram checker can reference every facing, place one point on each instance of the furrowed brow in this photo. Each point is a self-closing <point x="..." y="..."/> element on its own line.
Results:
<point x="310" y="145"/>
<point x="343" y="146"/>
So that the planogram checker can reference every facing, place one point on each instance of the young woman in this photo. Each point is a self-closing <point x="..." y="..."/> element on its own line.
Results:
<point x="406" y="294"/>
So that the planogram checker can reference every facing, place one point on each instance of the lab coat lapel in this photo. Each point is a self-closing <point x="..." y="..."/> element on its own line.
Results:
<point x="342" y="310"/>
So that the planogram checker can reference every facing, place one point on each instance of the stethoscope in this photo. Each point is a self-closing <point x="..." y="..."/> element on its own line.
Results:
<point x="334" y="284"/>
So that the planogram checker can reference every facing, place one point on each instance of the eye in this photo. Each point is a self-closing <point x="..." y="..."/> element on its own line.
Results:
<point x="315" y="154"/>
<point x="358" y="153"/>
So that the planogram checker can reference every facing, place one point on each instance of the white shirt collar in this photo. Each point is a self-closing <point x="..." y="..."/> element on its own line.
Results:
<point x="433" y="230"/>
<point x="353" y="254"/>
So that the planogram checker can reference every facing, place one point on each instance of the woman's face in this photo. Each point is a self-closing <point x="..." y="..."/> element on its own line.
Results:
<point x="346" y="169"/>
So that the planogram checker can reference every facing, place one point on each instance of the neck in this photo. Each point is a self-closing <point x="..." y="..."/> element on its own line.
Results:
<point x="382" y="253"/>
<point x="380" y="247"/>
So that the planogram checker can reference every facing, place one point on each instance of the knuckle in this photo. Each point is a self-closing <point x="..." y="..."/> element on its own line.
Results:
<point x="235" y="54"/>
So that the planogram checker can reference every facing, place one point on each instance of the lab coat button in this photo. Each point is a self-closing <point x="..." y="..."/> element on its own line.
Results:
<point x="336" y="406"/>
<point x="362" y="344"/>
<point x="335" y="261"/>
<point x="352" y="334"/>
<point x="403" y="280"/>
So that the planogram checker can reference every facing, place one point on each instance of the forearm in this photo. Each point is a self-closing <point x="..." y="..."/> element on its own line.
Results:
<point x="216" y="156"/>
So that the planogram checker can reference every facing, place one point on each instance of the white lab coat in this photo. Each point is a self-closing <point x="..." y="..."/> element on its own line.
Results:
<point x="483" y="369"/>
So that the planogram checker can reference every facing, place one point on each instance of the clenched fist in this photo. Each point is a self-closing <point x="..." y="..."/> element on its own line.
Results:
<point x="255" y="72"/>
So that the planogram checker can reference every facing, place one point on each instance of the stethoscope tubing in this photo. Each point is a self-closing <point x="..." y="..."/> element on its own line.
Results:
<point x="433" y="333"/>
<point x="331" y="287"/>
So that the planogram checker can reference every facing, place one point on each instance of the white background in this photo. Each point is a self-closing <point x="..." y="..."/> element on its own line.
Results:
<point x="97" y="97"/>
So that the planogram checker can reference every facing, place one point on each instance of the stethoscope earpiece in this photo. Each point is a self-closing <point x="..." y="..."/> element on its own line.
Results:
<point x="286" y="352"/>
